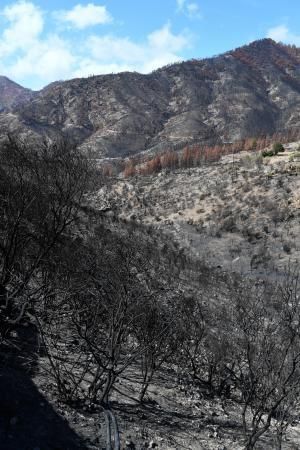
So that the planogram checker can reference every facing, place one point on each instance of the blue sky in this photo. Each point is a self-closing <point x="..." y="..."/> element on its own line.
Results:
<point x="43" y="41"/>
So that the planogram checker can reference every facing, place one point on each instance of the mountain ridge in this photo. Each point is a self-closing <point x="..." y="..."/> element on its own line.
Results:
<point x="252" y="90"/>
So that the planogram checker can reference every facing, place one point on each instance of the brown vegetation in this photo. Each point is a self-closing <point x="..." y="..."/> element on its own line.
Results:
<point x="197" y="155"/>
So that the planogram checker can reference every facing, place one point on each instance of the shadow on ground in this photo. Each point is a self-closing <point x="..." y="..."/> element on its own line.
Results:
<point x="27" y="420"/>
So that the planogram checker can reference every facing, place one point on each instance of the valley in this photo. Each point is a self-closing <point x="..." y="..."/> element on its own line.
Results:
<point x="149" y="257"/>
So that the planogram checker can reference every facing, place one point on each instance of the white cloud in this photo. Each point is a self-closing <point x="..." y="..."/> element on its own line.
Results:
<point x="111" y="54"/>
<point x="25" y="52"/>
<point x="163" y="39"/>
<point x="279" y="33"/>
<point x="282" y="33"/>
<point x="190" y="9"/>
<point x="193" y="11"/>
<point x="48" y="60"/>
<point x="180" y="4"/>
<point x="33" y="57"/>
<point x="83" y="16"/>
<point x="159" y="60"/>
<point x="90" y="66"/>
<point x="25" y="24"/>
<point x="109" y="47"/>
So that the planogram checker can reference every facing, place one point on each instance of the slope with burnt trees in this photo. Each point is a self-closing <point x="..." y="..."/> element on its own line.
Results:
<point x="250" y="91"/>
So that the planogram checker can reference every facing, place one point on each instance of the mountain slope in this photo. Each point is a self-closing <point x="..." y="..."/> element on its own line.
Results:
<point x="239" y="214"/>
<point x="252" y="90"/>
<point x="12" y="94"/>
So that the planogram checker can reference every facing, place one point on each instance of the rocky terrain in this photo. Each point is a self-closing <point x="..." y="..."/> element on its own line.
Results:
<point x="240" y="214"/>
<point x="246" y="92"/>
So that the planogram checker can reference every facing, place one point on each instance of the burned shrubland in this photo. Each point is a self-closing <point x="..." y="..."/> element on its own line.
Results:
<point x="41" y="188"/>
<point x="111" y="305"/>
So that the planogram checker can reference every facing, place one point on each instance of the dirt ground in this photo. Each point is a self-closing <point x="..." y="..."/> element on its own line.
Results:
<point x="176" y="416"/>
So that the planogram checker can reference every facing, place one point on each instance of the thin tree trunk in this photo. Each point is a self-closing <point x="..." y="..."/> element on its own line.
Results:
<point x="107" y="387"/>
<point x="253" y="438"/>
<point x="146" y="382"/>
